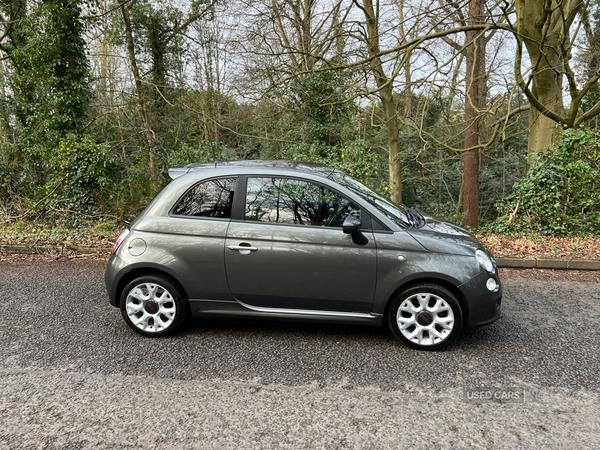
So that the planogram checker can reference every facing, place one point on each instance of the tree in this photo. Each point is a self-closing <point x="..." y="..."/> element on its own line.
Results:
<point x="475" y="92"/>
<point x="385" y="86"/>
<point x="155" y="30"/>
<point x="589" y="57"/>
<point x="141" y="93"/>
<point x="14" y="38"/>
<point x="543" y="28"/>
<point x="51" y="73"/>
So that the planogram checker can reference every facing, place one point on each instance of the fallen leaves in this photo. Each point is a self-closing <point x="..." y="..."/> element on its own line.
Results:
<point x="37" y="237"/>
<point x="583" y="247"/>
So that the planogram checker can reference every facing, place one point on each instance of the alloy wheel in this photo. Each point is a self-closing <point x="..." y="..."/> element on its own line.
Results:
<point x="425" y="319"/>
<point x="150" y="307"/>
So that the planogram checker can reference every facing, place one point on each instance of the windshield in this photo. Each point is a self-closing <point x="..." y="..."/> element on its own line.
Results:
<point x="394" y="212"/>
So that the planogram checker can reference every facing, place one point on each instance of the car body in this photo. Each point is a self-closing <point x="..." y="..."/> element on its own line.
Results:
<point x="297" y="241"/>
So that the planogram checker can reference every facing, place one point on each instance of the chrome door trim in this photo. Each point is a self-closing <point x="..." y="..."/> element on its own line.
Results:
<point x="308" y="312"/>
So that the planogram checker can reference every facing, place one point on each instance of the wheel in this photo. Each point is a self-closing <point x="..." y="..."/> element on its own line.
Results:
<point x="153" y="305"/>
<point x="425" y="316"/>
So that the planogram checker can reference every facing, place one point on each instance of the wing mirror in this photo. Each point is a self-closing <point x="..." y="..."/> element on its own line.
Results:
<point x="351" y="225"/>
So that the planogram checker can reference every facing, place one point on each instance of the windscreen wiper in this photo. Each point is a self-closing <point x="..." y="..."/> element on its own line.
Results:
<point x="415" y="217"/>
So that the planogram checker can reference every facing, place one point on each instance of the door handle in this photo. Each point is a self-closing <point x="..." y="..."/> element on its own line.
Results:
<point x="243" y="249"/>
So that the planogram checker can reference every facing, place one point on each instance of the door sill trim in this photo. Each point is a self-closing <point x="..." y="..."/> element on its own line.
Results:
<point x="309" y="312"/>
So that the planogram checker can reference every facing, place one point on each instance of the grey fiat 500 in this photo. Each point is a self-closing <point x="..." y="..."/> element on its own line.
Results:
<point x="297" y="241"/>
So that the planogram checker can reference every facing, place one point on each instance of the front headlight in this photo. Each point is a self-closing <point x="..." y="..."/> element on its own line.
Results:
<point x="484" y="260"/>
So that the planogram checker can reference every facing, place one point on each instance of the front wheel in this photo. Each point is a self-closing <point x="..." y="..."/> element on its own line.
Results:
<point x="425" y="316"/>
<point x="153" y="306"/>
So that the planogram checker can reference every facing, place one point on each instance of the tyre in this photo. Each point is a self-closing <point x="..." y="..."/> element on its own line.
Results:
<point x="153" y="305"/>
<point x="425" y="316"/>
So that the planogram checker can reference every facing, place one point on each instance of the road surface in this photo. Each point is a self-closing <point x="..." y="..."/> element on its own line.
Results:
<point x="73" y="375"/>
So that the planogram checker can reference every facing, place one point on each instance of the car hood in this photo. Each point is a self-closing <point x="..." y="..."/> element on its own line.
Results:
<point x="439" y="235"/>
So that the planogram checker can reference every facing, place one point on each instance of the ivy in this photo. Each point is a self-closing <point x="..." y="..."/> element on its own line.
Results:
<point x="83" y="177"/>
<point x="51" y="80"/>
<point x="560" y="195"/>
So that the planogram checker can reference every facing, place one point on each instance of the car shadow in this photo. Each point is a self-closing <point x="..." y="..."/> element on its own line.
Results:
<point x="257" y="327"/>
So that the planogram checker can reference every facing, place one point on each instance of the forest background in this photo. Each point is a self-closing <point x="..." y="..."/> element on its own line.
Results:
<point x="483" y="112"/>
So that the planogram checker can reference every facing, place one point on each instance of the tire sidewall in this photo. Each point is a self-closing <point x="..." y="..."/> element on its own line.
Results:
<point x="178" y="296"/>
<point x="440" y="291"/>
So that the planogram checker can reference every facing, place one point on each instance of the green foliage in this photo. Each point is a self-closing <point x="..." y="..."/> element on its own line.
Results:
<point x="186" y="154"/>
<point x="430" y="172"/>
<point x="356" y="159"/>
<point x="109" y="227"/>
<point x="50" y="80"/>
<point x="162" y="50"/>
<point x="83" y="178"/>
<point x="319" y="114"/>
<point x="561" y="193"/>
<point x="8" y="173"/>
<point x="359" y="161"/>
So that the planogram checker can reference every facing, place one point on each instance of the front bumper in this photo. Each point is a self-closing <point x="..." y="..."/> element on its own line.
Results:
<point x="484" y="306"/>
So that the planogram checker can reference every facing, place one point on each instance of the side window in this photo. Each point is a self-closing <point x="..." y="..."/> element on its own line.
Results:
<point x="211" y="198"/>
<point x="282" y="200"/>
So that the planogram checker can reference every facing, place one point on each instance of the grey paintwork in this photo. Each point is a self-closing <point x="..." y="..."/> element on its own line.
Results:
<point x="441" y="236"/>
<point x="300" y="267"/>
<point x="297" y="272"/>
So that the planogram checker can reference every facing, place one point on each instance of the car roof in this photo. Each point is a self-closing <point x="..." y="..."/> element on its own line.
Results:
<point x="299" y="166"/>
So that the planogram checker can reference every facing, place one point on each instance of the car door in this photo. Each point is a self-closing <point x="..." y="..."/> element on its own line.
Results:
<point x="289" y="251"/>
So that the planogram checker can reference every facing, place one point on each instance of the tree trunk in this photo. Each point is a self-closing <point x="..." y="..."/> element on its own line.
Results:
<point x="547" y="88"/>
<point x="306" y="35"/>
<point x="474" y="100"/>
<point x="140" y="92"/>
<point x="544" y="28"/>
<point x="390" y="107"/>
<point x="395" y="166"/>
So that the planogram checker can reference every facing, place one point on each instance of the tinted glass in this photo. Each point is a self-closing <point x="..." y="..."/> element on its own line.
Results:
<point x="208" y="199"/>
<point x="281" y="200"/>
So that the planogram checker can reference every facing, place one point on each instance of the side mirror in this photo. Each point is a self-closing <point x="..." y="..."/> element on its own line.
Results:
<point x="351" y="225"/>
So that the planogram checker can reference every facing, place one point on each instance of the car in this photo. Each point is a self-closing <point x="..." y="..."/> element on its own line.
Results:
<point x="297" y="241"/>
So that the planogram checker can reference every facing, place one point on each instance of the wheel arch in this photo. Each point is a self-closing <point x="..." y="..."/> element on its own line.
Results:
<point x="141" y="270"/>
<point x="453" y="288"/>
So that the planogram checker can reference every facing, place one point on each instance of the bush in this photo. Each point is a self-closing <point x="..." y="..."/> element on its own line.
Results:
<point x="84" y="177"/>
<point x="186" y="154"/>
<point x="560" y="195"/>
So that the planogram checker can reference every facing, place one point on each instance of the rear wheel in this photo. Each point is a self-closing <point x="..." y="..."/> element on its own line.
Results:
<point x="425" y="316"/>
<point x="153" y="305"/>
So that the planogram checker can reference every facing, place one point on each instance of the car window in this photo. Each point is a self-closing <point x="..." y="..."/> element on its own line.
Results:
<point x="211" y="198"/>
<point x="283" y="200"/>
<point x="392" y="210"/>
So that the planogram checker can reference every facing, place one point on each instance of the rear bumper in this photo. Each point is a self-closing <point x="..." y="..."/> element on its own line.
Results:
<point x="484" y="307"/>
<point x="112" y="276"/>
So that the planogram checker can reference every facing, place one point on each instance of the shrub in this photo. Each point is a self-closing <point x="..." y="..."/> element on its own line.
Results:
<point x="84" y="176"/>
<point x="560" y="195"/>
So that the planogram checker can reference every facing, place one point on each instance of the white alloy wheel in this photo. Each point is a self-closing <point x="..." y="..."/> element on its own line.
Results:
<point x="425" y="317"/>
<point x="153" y="306"/>
<point x="150" y="307"/>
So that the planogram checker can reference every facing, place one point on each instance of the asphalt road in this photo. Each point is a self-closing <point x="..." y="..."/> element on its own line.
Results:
<point x="72" y="375"/>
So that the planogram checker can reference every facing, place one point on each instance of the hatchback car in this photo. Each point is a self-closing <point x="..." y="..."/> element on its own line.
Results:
<point x="297" y="241"/>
